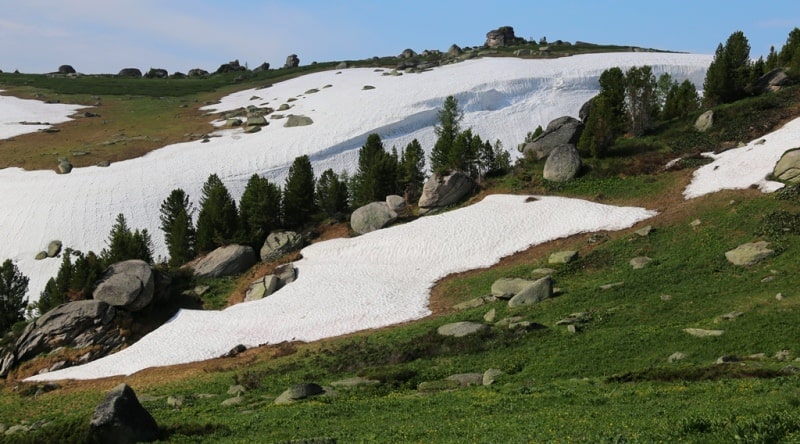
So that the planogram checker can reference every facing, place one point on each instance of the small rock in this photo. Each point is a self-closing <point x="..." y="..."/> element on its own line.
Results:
<point x="639" y="262"/>
<point x="490" y="376"/>
<point x="490" y="315"/>
<point x="677" y="356"/>
<point x="702" y="333"/>
<point x="665" y="297"/>
<point x="175" y="401"/>
<point x="233" y="401"/>
<point x="727" y="360"/>
<point x="41" y="255"/>
<point x="562" y="257"/>
<point x="695" y="223"/>
<point x="572" y="328"/>
<point x="541" y="272"/>
<point x="783" y="355"/>
<point x="467" y="379"/>
<point x="354" y="382"/>
<point x="732" y="315"/>
<point x="472" y="303"/>
<point x="459" y="329"/>
<point x="644" y="231"/>
<point x="611" y="285"/>
<point x="779" y="297"/>
<point x="237" y="390"/>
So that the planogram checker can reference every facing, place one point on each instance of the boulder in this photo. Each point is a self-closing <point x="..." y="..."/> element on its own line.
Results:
<point x="639" y="262"/>
<point x="705" y="121"/>
<point x="772" y="81"/>
<point x="261" y="288"/>
<point x="749" y="253"/>
<point x="490" y="375"/>
<point x="292" y="61"/>
<point x="156" y="73"/>
<point x="502" y="36"/>
<point x="130" y="72"/>
<point x="507" y="287"/>
<point x="537" y="291"/>
<point x="298" y="392"/>
<point x="788" y="168"/>
<point x="66" y="69"/>
<point x="407" y="54"/>
<point x="286" y="274"/>
<point x="279" y="243"/>
<point x="441" y="191"/>
<point x="40" y="255"/>
<point x="53" y="248"/>
<point x="562" y="257"/>
<point x="262" y="67"/>
<point x="75" y="324"/>
<point x="121" y="419"/>
<point x="128" y="284"/>
<point x="562" y="131"/>
<point x="64" y="166"/>
<point x="396" y="203"/>
<point x="467" y="379"/>
<point x="454" y="51"/>
<point x="197" y="72"/>
<point x="371" y="217"/>
<point x="293" y="121"/>
<point x="233" y="66"/>
<point x="226" y="261"/>
<point x="586" y="108"/>
<point x="459" y="329"/>
<point x="562" y="164"/>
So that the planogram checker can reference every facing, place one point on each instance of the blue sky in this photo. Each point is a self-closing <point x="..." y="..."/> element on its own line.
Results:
<point x="104" y="36"/>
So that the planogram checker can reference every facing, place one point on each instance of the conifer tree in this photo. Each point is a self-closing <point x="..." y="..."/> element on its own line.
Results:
<point x="124" y="244"/>
<point x="298" y="194"/>
<point x="641" y="98"/>
<point x="176" y="223"/>
<point x="772" y="60"/>
<point x="13" y="286"/>
<point x="681" y="101"/>
<point x="791" y="49"/>
<point x="728" y="74"/>
<point x="259" y="210"/>
<point x="447" y="130"/>
<point x="377" y="174"/>
<point x="218" y="220"/>
<point x="331" y="194"/>
<point x="411" y="174"/>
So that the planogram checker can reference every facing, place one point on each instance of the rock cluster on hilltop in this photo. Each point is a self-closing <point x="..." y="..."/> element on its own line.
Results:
<point x="502" y="36"/>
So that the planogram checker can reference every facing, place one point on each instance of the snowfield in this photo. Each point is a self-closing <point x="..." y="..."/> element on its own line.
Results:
<point x="344" y="285"/>
<point x="370" y="281"/>
<point x="15" y="111"/>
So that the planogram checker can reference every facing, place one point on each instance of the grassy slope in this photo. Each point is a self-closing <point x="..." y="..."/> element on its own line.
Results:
<point x="610" y="382"/>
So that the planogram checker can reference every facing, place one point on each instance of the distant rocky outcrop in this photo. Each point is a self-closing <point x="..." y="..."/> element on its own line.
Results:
<point x="371" y="217"/>
<point x="130" y="72"/>
<point x="562" y="164"/>
<point x="502" y="36"/>
<point x="454" y="50"/>
<point x="561" y="131"/>
<point x="156" y="73"/>
<point x="292" y="61"/>
<point x="66" y="69"/>
<point x="226" y="261"/>
<point x="788" y="168"/>
<point x="121" y="419"/>
<point x="197" y="72"/>
<point x="262" y="67"/>
<point x="128" y="284"/>
<point x="232" y="66"/>
<point x="407" y="54"/>
<point x="75" y="324"/>
<point x="441" y="191"/>
<point x="279" y="243"/>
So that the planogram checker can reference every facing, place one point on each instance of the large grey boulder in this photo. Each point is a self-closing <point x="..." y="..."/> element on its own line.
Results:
<point x="293" y="121"/>
<point x="156" y="73"/>
<point x="292" y="61"/>
<point x="279" y="243"/>
<point x="53" y="248"/>
<point x="128" y="284"/>
<point x="507" y="287"/>
<point x="121" y="419"/>
<point x="75" y="324"/>
<point x="788" y="168"/>
<point x="298" y="392"/>
<point x="459" y="329"/>
<point x="261" y="288"/>
<point x="454" y="50"/>
<point x="705" y="121"/>
<point x="226" y="261"/>
<point x="130" y="72"/>
<point x="536" y="292"/>
<point x="66" y="69"/>
<point x="197" y="72"/>
<point x="586" y="108"/>
<point x="441" y="191"/>
<point x="749" y="253"/>
<point x="371" y="217"/>
<point x="562" y="131"/>
<point x="502" y="36"/>
<point x="562" y="164"/>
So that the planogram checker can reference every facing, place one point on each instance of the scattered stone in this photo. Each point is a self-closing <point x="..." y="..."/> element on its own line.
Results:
<point x="120" y="418"/>
<point x="41" y="255"/>
<point x="788" y="168"/>
<point x="505" y="288"/>
<point x="396" y="203"/>
<point x="789" y="370"/>
<point x="438" y="386"/>
<point x="236" y="390"/>
<point x="226" y="261"/>
<point x="256" y="121"/>
<point x="286" y="274"/>
<point x="371" y="217"/>
<point x="472" y="303"/>
<point x="665" y="297"/>
<point x="644" y="231"/>
<point x="354" y="382"/>
<point x="490" y="315"/>
<point x="677" y="356"/>
<point x="541" y="272"/>
<point x="611" y="285"/>
<point x="749" y="253"/>
<point x="64" y="167"/>
<point x="562" y="257"/>
<point x="575" y="318"/>
<point x="459" y="329"/>
<point x="261" y="288"/>
<point x="695" y="223"/>
<point x="298" y="392"/>
<point x="367" y="87"/>
<point x="252" y="129"/>
<point x="705" y="121"/>
<point x="731" y="316"/>
<point x="233" y="401"/>
<point x="235" y="351"/>
<point x="571" y="328"/>
<point x="104" y="163"/>
<point x="783" y="355"/>
<point x="130" y="72"/>
<point x="467" y="379"/>
<point x="535" y="292"/>
<point x="768" y="279"/>
<point x="702" y="333"/>
<point x="175" y="401"/>
<point x="293" y="121"/>
<point x="779" y="297"/>
<point x="727" y="360"/>
<point x="279" y="243"/>
<point x="440" y="191"/>
<point x="490" y="376"/>
<point x="639" y="262"/>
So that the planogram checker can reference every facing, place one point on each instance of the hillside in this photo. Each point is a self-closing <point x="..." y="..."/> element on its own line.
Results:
<point x="597" y="363"/>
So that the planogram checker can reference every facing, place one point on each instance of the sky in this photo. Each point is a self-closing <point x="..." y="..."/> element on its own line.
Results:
<point x="102" y="36"/>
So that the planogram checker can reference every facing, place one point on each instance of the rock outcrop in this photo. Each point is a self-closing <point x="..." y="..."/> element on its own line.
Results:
<point x="292" y="61"/>
<point x="562" y="131"/>
<point x="788" y="168"/>
<point x="232" y="66"/>
<point x="121" y="419"/>
<point x="772" y="81"/>
<point x="156" y="73"/>
<point x="226" y="261"/>
<point x="130" y="72"/>
<point x="441" y="191"/>
<point x="562" y="164"/>
<point x="749" y="253"/>
<point x="66" y="69"/>
<point x="502" y="36"/>
<point x="371" y="217"/>
<point x="128" y="284"/>
<point x="279" y="243"/>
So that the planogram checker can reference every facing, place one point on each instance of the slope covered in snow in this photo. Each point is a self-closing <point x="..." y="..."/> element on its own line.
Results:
<point x="21" y="116"/>
<point x="502" y="99"/>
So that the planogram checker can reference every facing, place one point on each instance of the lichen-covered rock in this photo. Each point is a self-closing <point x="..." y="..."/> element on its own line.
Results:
<point x="562" y="164"/>
<point x="565" y="130"/>
<point x="441" y="191"/>
<point x="705" y="121"/>
<point x="128" y="284"/>
<point x="279" y="243"/>
<point x="749" y="253"/>
<point x="788" y="168"/>
<point x="226" y="261"/>
<point x="371" y="217"/>
<point x="121" y="419"/>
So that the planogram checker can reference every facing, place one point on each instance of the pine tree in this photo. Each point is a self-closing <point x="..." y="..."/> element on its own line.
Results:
<point x="218" y="220"/>
<point x="298" y="194"/>
<point x="789" y="51"/>
<point x="377" y="172"/>
<point x="411" y="175"/>
<point x="124" y="244"/>
<point x="729" y="73"/>
<point x="607" y="117"/>
<point x="176" y="223"/>
<point x="259" y="210"/>
<point x="13" y="286"/>
<point x="331" y="194"/>
<point x="447" y="131"/>
<point x="682" y="100"/>
<point x="641" y="98"/>
<point x="772" y="60"/>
